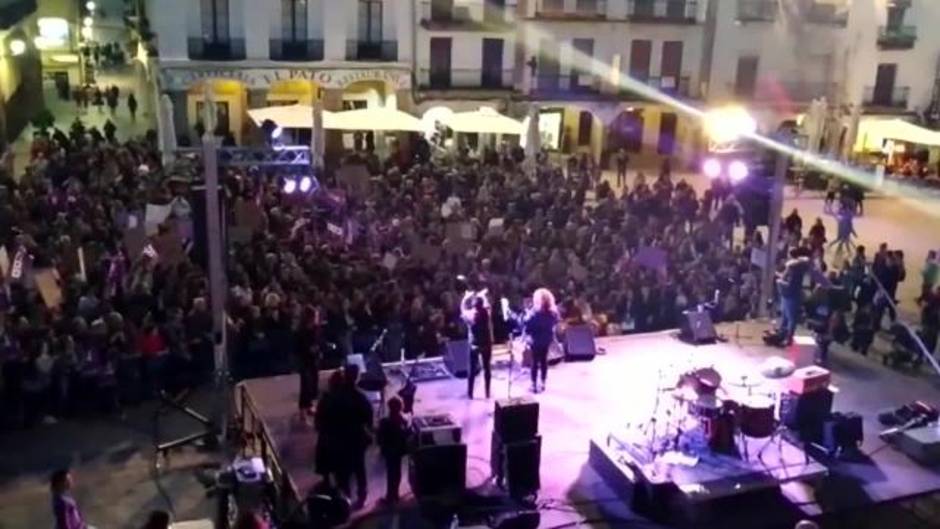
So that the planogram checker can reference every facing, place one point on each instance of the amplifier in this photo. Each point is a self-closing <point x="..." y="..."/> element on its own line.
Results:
<point x="808" y="379"/>
<point x="921" y="444"/>
<point x="516" y="419"/>
<point x="435" y="430"/>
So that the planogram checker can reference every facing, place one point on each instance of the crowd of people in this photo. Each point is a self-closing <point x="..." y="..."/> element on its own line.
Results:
<point x="315" y="277"/>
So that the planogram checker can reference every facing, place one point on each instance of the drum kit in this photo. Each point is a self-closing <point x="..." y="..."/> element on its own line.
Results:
<point x="723" y="409"/>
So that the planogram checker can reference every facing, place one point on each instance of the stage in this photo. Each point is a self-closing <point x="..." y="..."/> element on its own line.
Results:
<point x="586" y="401"/>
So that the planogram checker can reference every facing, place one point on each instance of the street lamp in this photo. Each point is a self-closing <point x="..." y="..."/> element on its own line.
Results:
<point x="90" y="6"/>
<point x="17" y="47"/>
<point x="88" y="22"/>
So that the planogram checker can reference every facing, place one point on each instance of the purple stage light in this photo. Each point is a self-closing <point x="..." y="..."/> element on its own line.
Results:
<point x="712" y="168"/>
<point x="290" y="185"/>
<point x="305" y="184"/>
<point x="737" y="171"/>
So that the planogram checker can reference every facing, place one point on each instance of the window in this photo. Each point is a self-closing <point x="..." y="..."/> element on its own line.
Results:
<point x="553" y="6"/>
<point x="585" y="123"/>
<point x="370" y="21"/>
<point x="746" y="77"/>
<point x="640" y="53"/>
<point x="215" y="20"/>
<point x="294" y="20"/>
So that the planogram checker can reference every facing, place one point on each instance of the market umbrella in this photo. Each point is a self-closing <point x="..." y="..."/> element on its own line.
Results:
<point x="483" y="121"/>
<point x="374" y="118"/>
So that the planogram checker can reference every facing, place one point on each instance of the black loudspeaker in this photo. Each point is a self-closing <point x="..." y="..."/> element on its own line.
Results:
<point x="579" y="343"/>
<point x="842" y="433"/>
<point x="516" y="419"/>
<point x="516" y="520"/>
<point x="697" y="328"/>
<point x="516" y="465"/>
<point x="806" y="413"/>
<point x="438" y="471"/>
<point x="457" y="357"/>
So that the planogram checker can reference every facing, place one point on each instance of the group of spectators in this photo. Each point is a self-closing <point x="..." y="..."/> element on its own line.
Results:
<point x="314" y="277"/>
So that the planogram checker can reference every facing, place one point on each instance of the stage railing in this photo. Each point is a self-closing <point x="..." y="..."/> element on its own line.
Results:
<point x="257" y="440"/>
<point x="921" y="346"/>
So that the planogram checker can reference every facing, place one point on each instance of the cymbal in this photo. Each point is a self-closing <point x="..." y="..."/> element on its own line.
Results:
<point x="748" y="380"/>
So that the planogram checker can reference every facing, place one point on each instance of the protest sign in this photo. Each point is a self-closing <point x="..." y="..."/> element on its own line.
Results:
<point x="47" y="282"/>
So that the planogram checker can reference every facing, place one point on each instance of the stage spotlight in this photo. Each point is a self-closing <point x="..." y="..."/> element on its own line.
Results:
<point x="737" y="171"/>
<point x="305" y="184"/>
<point x="727" y="124"/>
<point x="712" y="168"/>
<point x="290" y="185"/>
<point x="277" y="133"/>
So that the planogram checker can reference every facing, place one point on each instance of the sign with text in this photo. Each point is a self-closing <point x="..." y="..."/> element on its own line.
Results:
<point x="185" y="78"/>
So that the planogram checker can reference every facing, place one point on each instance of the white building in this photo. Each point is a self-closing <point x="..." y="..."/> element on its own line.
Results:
<point x="584" y="63"/>
<point x="347" y="53"/>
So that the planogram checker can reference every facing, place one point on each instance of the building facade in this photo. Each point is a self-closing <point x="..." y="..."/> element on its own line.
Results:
<point x="347" y="54"/>
<point x="588" y="65"/>
<point x="21" y="96"/>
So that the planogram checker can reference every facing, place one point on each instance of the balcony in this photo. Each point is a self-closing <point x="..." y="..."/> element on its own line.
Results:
<point x="566" y="84"/>
<point x="584" y="10"/>
<point x="897" y="37"/>
<point x="380" y="51"/>
<point x="676" y="87"/>
<point x="789" y="91"/>
<point x="895" y="98"/>
<point x="297" y="50"/>
<point x="465" y="79"/>
<point x="448" y="17"/>
<point x="663" y="11"/>
<point x="221" y="50"/>
<point x="757" y="10"/>
<point x="828" y="13"/>
<point x="12" y="12"/>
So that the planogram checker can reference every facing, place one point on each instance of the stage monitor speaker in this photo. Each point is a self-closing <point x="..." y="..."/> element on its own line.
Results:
<point x="516" y="419"/>
<point x="805" y="414"/>
<point x="438" y="471"/>
<point x="516" y="465"/>
<point x="697" y="328"/>
<point x="842" y="433"/>
<point x="457" y="358"/>
<point x="579" y="343"/>
<point x="373" y="377"/>
<point x="435" y="430"/>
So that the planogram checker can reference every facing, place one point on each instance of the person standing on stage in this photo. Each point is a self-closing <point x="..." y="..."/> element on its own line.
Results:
<point x="475" y="310"/>
<point x="540" y="327"/>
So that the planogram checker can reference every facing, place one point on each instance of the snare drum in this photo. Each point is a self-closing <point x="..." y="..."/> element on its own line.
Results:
<point x="756" y="417"/>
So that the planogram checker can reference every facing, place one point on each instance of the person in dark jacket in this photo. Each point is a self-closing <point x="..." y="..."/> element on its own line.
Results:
<point x="328" y="416"/>
<point x="540" y="328"/>
<point x="475" y="310"/>
<point x="392" y="438"/>
<point x="355" y="435"/>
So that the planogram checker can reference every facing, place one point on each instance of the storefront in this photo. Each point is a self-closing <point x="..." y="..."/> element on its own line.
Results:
<point x="236" y="90"/>
<point x="647" y="131"/>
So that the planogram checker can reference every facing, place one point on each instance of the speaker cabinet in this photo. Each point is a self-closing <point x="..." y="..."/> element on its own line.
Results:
<point x="579" y="343"/>
<point x="438" y="471"/>
<point x="457" y="358"/>
<point x="697" y="328"/>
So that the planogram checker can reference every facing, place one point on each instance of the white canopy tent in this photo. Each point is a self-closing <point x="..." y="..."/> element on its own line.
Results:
<point x="375" y="118"/>
<point x="288" y="116"/>
<point x="873" y="133"/>
<point x="483" y="121"/>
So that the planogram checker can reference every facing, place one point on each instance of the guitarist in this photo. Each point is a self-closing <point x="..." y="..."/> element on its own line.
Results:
<point x="539" y="325"/>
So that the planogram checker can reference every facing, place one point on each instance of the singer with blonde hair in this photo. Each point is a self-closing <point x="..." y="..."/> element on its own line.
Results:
<point x="540" y="324"/>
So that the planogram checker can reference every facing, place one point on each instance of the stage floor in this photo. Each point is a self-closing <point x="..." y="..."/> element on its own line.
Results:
<point x="588" y="399"/>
